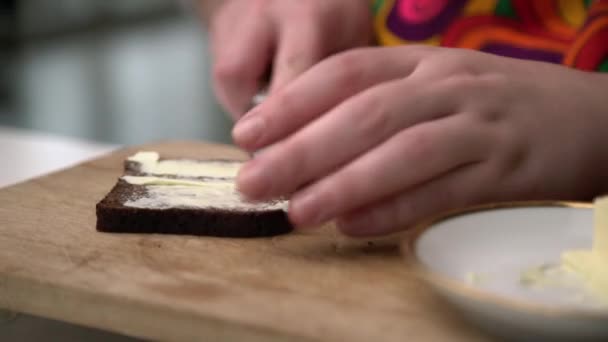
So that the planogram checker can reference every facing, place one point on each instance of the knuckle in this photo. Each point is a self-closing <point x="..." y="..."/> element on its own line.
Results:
<point x="482" y="87"/>
<point x="348" y="79"/>
<point x="304" y="56"/>
<point x="348" y="69"/>
<point x="298" y="167"/>
<point x="420" y="143"/>
<point x="284" y="102"/>
<point x="461" y="80"/>
<point x="296" y="62"/>
<point x="372" y="119"/>
<point x="429" y="60"/>
<point x="457" y="60"/>
<point x="228" y="71"/>
<point x="316" y="45"/>
<point x="347" y="62"/>
<point x="512" y="154"/>
<point x="447" y="64"/>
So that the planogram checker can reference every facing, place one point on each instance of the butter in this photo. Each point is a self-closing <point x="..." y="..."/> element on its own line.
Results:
<point x="600" y="235"/>
<point x="542" y="276"/>
<point x="150" y="163"/>
<point x="218" y="196"/>
<point x="592" y="265"/>
<point x="218" y="192"/>
<point x="590" y="268"/>
<point x="151" y="180"/>
<point x="144" y="157"/>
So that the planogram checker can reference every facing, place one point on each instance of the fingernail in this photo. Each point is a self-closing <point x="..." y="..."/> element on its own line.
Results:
<point x="253" y="181"/>
<point x="248" y="130"/>
<point x="307" y="209"/>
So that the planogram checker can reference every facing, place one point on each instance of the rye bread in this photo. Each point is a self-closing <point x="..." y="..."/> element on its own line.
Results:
<point x="114" y="214"/>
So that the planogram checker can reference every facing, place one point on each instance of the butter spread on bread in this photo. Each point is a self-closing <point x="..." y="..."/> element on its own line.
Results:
<point x="185" y="196"/>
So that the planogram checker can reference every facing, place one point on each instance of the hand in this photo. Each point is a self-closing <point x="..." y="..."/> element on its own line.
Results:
<point x="382" y="137"/>
<point x="248" y="36"/>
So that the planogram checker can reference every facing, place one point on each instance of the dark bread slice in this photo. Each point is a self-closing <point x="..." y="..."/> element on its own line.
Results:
<point x="114" y="216"/>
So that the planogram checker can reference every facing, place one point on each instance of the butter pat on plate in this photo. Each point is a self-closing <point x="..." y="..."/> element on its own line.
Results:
<point x="592" y="265"/>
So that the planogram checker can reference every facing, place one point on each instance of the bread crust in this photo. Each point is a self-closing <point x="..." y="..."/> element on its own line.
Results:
<point x="113" y="216"/>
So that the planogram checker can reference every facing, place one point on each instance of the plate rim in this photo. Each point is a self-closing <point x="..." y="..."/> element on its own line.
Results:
<point x="462" y="289"/>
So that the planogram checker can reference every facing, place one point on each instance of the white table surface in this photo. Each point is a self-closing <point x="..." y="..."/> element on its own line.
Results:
<point x="27" y="154"/>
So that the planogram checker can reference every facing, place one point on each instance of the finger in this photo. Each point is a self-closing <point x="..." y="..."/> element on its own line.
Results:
<point x="409" y="158"/>
<point x="299" y="49"/>
<point x="320" y="89"/>
<point x="349" y="130"/>
<point x="240" y="59"/>
<point x="458" y="189"/>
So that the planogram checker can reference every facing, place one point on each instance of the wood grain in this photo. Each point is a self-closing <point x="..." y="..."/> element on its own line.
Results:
<point x="315" y="285"/>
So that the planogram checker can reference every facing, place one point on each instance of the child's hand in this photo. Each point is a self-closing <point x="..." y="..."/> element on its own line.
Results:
<point x="382" y="137"/>
<point x="250" y="35"/>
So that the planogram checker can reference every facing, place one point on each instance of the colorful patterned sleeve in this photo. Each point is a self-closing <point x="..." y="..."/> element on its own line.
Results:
<point x="569" y="32"/>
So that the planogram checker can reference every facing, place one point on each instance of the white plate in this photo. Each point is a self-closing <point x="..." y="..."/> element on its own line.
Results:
<point x="496" y="246"/>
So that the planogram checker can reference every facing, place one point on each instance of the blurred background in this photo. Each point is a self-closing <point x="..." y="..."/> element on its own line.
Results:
<point x="113" y="71"/>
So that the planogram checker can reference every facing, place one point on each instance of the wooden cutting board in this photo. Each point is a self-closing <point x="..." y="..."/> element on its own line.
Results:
<point x="314" y="285"/>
